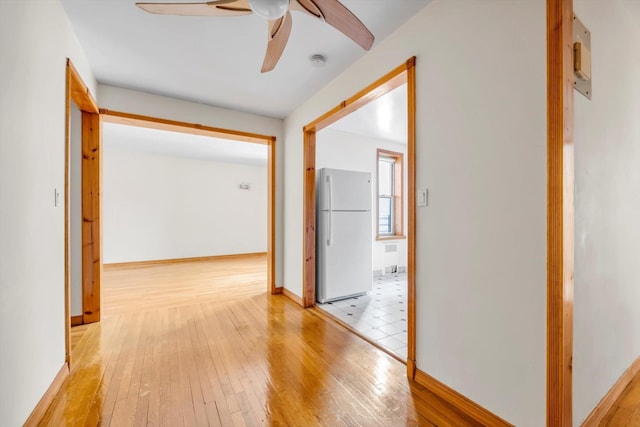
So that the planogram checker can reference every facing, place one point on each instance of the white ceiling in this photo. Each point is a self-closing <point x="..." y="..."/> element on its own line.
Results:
<point x="217" y="60"/>
<point x="384" y="118"/>
<point x="177" y="144"/>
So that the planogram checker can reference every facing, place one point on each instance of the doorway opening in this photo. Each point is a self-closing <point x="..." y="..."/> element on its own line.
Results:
<point x="184" y="215"/>
<point x="87" y="260"/>
<point x="390" y="194"/>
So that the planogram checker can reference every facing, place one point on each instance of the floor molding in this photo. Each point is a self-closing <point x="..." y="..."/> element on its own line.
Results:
<point x="287" y="293"/>
<point x="42" y="406"/>
<point x="612" y="395"/>
<point x="179" y="260"/>
<point x="77" y="320"/>
<point x="459" y="401"/>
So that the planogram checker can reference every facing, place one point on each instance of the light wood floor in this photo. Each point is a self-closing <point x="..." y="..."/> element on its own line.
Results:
<point x="626" y="410"/>
<point x="201" y="343"/>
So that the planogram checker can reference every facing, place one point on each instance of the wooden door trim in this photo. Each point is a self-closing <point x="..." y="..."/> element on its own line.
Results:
<point x="91" y="217"/>
<point x="78" y="92"/>
<point x="123" y="118"/>
<point x="560" y="211"/>
<point x="402" y="74"/>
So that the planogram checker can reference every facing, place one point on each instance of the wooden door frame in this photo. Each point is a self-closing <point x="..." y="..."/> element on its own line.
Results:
<point x="402" y="74"/>
<point x="129" y="119"/>
<point x="560" y="212"/>
<point x="77" y="91"/>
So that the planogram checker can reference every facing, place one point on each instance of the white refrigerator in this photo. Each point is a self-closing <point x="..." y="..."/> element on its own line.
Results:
<point x="343" y="234"/>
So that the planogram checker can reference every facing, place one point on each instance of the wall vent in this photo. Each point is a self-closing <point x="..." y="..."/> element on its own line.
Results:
<point x="391" y="248"/>
<point x="390" y="259"/>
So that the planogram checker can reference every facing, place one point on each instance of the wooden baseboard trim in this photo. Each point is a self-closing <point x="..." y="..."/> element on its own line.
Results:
<point x="411" y="369"/>
<point x="277" y="290"/>
<point x="293" y="297"/>
<point x="462" y="403"/>
<point x="42" y="406"/>
<point x="319" y="312"/>
<point x="609" y="399"/>
<point x="180" y="260"/>
<point x="76" y="320"/>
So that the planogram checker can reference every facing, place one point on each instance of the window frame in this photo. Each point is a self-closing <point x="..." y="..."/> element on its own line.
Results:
<point x="397" y="197"/>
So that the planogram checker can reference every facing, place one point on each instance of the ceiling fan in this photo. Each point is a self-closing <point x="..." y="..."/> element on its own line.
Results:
<point x="278" y="13"/>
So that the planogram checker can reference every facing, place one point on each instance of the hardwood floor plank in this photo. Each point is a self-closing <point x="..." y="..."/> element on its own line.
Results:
<point x="204" y="344"/>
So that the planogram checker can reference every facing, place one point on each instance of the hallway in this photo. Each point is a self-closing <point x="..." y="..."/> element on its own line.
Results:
<point x="201" y="343"/>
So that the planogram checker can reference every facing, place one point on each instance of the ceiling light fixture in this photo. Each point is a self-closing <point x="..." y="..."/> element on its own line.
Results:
<point x="318" y="60"/>
<point x="269" y="9"/>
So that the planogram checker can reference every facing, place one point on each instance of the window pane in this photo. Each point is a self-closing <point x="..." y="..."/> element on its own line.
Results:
<point x="385" y="177"/>
<point x="384" y="215"/>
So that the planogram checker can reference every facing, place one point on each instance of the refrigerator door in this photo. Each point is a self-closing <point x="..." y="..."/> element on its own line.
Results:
<point x="342" y="190"/>
<point x="344" y="255"/>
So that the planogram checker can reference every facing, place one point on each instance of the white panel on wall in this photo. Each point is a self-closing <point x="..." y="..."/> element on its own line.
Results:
<point x="161" y="207"/>
<point x="607" y="203"/>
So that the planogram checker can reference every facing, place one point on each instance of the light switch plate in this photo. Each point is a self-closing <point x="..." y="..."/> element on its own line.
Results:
<point x="423" y="197"/>
<point x="56" y="198"/>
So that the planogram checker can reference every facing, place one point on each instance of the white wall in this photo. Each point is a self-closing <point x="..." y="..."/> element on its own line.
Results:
<point x="35" y="40"/>
<point x="163" y="207"/>
<point x="131" y="101"/>
<point x="607" y="162"/>
<point x="342" y="150"/>
<point x="75" y="210"/>
<point x="481" y="150"/>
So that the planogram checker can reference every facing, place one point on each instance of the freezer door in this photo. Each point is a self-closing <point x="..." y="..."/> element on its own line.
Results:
<point x="342" y="190"/>
<point x="344" y="255"/>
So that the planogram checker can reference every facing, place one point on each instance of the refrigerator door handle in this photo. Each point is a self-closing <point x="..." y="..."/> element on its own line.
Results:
<point x="329" y="228"/>
<point x="329" y="188"/>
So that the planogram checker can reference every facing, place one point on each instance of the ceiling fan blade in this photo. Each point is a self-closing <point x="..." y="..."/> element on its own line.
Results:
<point x="211" y="8"/>
<point x="279" y="31"/>
<point x="338" y="16"/>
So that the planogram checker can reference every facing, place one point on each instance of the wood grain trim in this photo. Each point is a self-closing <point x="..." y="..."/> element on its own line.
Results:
<point x="293" y="297"/>
<point x="76" y="320"/>
<point x="560" y="211"/>
<point x="67" y="209"/>
<point x="129" y="119"/>
<point x="395" y="78"/>
<point x="134" y="264"/>
<point x="271" y="216"/>
<point x="41" y="408"/>
<point x="607" y="402"/>
<point x="309" y="244"/>
<point x="411" y="216"/>
<point x="459" y="401"/>
<point x="390" y="238"/>
<point x="79" y="92"/>
<point x="91" y="217"/>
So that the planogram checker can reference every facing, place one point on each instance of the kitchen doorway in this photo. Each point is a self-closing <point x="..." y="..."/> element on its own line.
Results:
<point x="385" y="220"/>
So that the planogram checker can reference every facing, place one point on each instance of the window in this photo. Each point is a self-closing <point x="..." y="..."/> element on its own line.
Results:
<point x="389" y="194"/>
